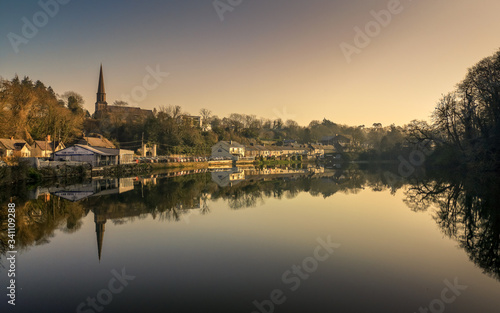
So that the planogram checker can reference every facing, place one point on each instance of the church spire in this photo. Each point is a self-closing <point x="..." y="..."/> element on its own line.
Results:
<point x="101" y="93"/>
<point x="101" y="103"/>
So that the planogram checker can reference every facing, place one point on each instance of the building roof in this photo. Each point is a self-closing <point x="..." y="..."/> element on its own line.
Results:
<point x="46" y="145"/>
<point x="88" y="148"/>
<point x="233" y="144"/>
<point x="102" y="150"/>
<point x="336" y="138"/>
<point x="95" y="149"/>
<point x="96" y="142"/>
<point x="343" y="138"/>
<point x="13" y="144"/>
<point x="327" y="138"/>
<point x="251" y="148"/>
<point x="275" y="148"/>
<point x="128" y="110"/>
<point x="20" y="145"/>
<point x="314" y="146"/>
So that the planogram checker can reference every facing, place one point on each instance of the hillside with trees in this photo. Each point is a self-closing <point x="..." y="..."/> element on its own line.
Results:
<point x="31" y="111"/>
<point x="465" y="124"/>
<point x="464" y="128"/>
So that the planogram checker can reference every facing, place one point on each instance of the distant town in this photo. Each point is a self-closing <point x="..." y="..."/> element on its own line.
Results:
<point x="58" y="131"/>
<point x="47" y="130"/>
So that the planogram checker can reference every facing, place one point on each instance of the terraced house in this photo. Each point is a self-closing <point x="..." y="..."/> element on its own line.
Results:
<point x="14" y="148"/>
<point x="45" y="148"/>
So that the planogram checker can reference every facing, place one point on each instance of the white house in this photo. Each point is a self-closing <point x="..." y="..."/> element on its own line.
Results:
<point x="228" y="149"/>
<point x="45" y="148"/>
<point x="95" y="156"/>
<point x="14" y="147"/>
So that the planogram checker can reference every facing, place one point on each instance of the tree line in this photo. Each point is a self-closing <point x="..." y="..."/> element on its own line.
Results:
<point x="464" y="128"/>
<point x="30" y="110"/>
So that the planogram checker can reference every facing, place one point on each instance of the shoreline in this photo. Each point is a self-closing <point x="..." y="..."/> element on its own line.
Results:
<point x="23" y="173"/>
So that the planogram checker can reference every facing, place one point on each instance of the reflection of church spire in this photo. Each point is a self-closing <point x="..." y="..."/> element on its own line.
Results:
<point x="100" y="227"/>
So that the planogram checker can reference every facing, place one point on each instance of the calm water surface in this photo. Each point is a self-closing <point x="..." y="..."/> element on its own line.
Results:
<point x="316" y="240"/>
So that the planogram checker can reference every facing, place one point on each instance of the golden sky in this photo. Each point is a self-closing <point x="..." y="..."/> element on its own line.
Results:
<point x="278" y="59"/>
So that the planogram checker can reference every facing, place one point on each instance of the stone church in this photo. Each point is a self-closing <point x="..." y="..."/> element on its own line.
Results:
<point x="115" y="112"/>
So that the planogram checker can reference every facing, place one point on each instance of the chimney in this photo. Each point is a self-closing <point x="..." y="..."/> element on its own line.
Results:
<point x="11" y="138"/>
<point x="48" y="138"/>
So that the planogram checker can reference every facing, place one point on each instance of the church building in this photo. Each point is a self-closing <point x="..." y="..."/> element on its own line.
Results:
<point x="116" y="112"/>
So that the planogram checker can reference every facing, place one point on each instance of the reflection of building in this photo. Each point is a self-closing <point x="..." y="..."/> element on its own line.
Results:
<point x="289" y="150"/>
<point x="148" y="180"/>
<point x="97" y="187"/>
<point x="228" y="178"/>
<point x="100" y="227"/>
<point x="235" y="175"/>
<point x="95" y="156"/>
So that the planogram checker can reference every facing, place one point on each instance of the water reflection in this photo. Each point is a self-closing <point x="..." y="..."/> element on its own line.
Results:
<point x="465" y="208"/>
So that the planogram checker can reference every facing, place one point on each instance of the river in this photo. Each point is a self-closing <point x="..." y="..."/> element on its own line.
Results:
<point x="256" y="240"/>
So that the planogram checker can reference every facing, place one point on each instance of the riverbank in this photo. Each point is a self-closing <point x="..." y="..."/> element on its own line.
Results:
<point x="27" y="174"/>
<point x="23" y="173"/>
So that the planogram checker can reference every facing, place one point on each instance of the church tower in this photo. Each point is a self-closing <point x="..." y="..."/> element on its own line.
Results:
<point x="101" y="103"/>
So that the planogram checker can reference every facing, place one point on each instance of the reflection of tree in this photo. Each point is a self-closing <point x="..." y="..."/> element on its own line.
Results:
<point x="467" y="211"/>
<point x="36" y="221"/>
<point x="204" y="207"/>
<point x="169" y="200"/>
